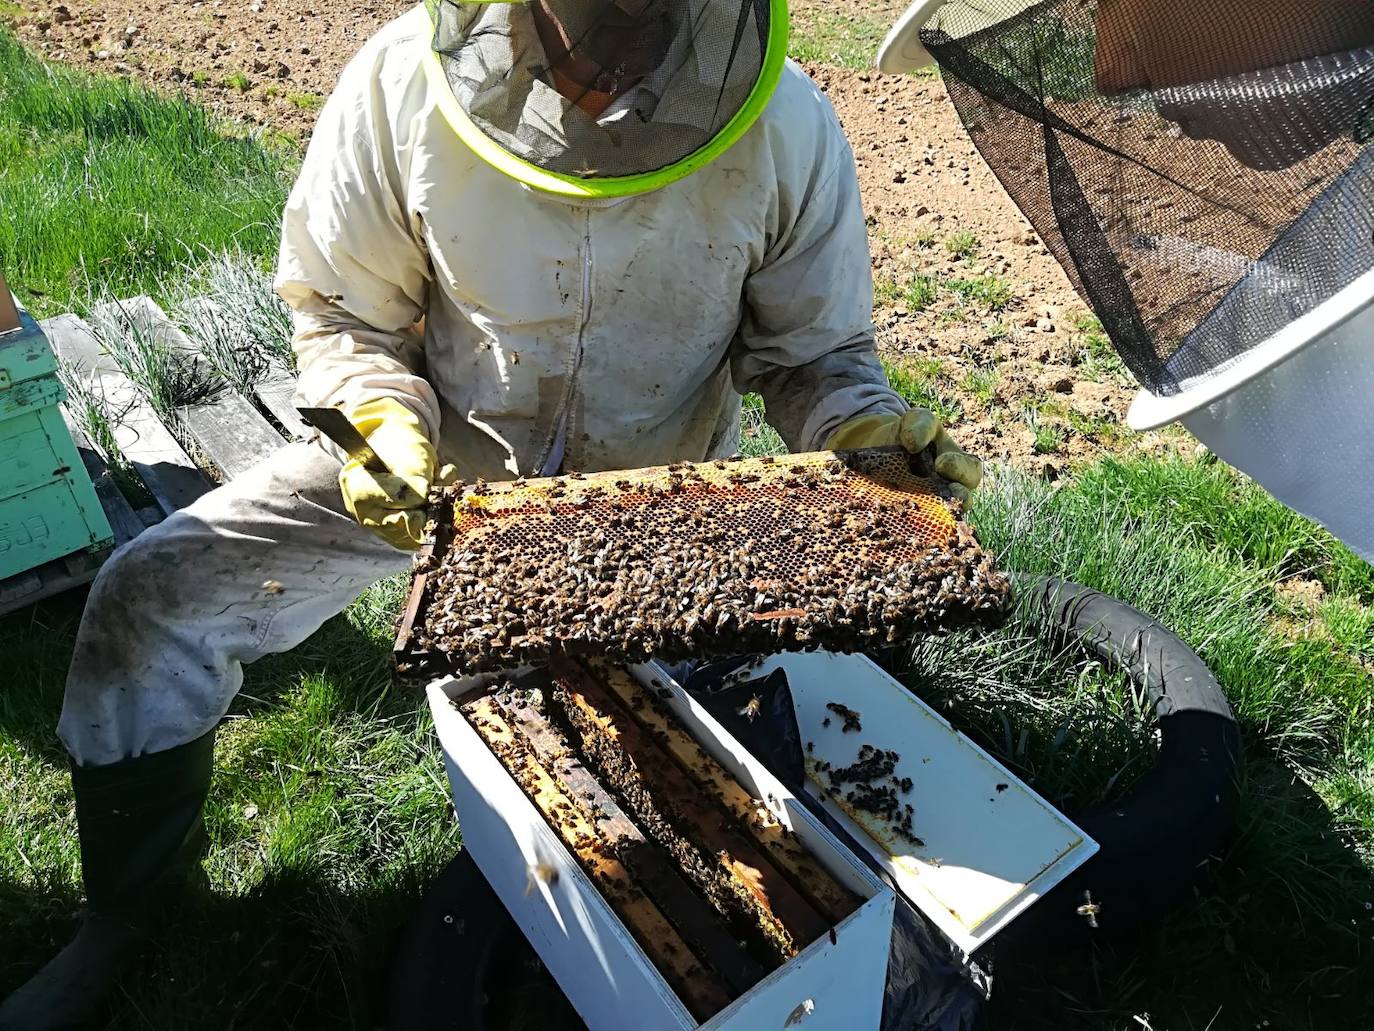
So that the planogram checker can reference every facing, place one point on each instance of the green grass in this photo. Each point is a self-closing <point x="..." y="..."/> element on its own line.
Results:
<point x="1291" y="906"/>
<point x="238" y="81"/>
<point x="1350" y="624"/>
<point x="982" y="383"/>
<point x="1206" y="500"/>
<point x="304" y="100"/>
<point x="1059" y="719"/>
<point x="756" y="436"/>
<point x="1098" y="428"/>
<point x="832" y="37"/>
<point x="1050" y="56"/>
<point x="1048" y="436"/>
<point x="886" y="291"/>
<point x="917" y="295"/>
<point x="1097" y="358"/>
<point x="992" y="293"/>
<point x="99" y="418"/>
<point x="921" y="293"/>
<point x="226" y="302"/>
<point x="963" y="244"/>
<point x="1049" y="439"/>
<point x="329" y="809"/>
<point x="921" y="384"/>
<point x="103" y="180"/>
<point x="168" y="375"/>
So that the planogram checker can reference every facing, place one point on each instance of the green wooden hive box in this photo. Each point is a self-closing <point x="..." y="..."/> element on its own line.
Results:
<point x="48" y="508"/>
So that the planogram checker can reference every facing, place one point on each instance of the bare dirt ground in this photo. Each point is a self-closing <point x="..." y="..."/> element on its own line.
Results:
<point x="969" y="301"/>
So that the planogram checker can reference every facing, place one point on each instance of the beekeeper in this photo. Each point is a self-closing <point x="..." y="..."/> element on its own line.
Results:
<point x="1204" y="173"/>
<point x="563" y="234"/>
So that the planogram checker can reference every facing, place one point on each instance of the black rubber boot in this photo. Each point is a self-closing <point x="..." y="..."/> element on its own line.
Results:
<point x="139" y="822"/>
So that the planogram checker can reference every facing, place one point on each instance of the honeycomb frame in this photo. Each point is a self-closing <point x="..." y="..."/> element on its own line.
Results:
<point x="845" y="551"/>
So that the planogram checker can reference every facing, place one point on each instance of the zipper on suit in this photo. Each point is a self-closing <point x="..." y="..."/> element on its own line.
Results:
<point x="565" y="401"/>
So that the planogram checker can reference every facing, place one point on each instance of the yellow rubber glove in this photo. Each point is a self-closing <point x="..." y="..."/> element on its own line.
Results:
<point x="915" y="430"/>
<point x="392" y="507"/>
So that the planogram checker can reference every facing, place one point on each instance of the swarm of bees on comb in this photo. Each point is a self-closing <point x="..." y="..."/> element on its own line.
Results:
<point x="843" y="551"/>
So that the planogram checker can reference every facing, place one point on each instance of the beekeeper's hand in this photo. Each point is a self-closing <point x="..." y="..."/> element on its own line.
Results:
<point x="392" y="507"/>
<point x="915" y="430"/>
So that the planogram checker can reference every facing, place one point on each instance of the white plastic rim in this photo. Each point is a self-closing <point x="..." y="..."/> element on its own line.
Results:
<point x="901" y="51"/>
<point x="1150" y="411"/>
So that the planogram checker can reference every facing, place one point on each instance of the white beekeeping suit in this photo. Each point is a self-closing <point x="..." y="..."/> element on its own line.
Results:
<point x="621" y="327"/>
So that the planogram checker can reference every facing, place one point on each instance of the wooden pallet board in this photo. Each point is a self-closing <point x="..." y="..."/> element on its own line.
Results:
<point x="55" y="577"/>
<point x="276" y="394"/>
<point x="160" y="461"/>
<point x="227" y="429"/>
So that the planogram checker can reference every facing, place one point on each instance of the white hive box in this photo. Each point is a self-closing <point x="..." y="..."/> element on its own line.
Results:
<point x="832" y="985"/>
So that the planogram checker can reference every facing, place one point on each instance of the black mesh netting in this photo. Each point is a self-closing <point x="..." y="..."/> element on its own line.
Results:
<point x="1200" y="169"/>
<point x="602" y="88"/>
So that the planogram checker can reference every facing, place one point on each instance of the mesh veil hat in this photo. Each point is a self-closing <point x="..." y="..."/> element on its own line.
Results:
<point x="672" y="84"/>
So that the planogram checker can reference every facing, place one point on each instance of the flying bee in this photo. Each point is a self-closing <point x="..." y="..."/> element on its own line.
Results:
<point x="541" y="872"/>
<point x="1089" y="909"/>
<point x="750" y="708"/>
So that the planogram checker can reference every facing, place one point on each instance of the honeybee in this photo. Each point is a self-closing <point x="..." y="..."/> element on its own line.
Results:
<point x="750" y="709"/>
<point x="541" y="872"/>
<point x="1089" y="910"/>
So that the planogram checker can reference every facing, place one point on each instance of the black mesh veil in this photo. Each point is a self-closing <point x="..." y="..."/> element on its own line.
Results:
<point x="602" y="88"/>
<point x="1202" y="170"/>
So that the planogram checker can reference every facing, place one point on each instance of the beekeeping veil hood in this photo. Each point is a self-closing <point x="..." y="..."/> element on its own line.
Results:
<point x="604" y="98"/>
<point x="1203" y="172"/>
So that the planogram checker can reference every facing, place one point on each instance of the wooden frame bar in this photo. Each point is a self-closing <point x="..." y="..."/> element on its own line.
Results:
<point x="654" y="871"/>
<point x="722" y="862"/>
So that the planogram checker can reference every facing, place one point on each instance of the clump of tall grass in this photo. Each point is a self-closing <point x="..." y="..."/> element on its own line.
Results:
<point x="1201" y="549"/>
<point x="756" y="436"/>
<point x="164" y="371"/>
<point x="221" y="343"/>
<point x="1128" y="528"/>
<point x="1081" y="733"/>
<point x="99" y="417"/>
<point x="227" y="305"/>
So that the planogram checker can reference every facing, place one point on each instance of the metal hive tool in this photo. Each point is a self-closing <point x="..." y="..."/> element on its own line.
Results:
<point x="837" y="550"/>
